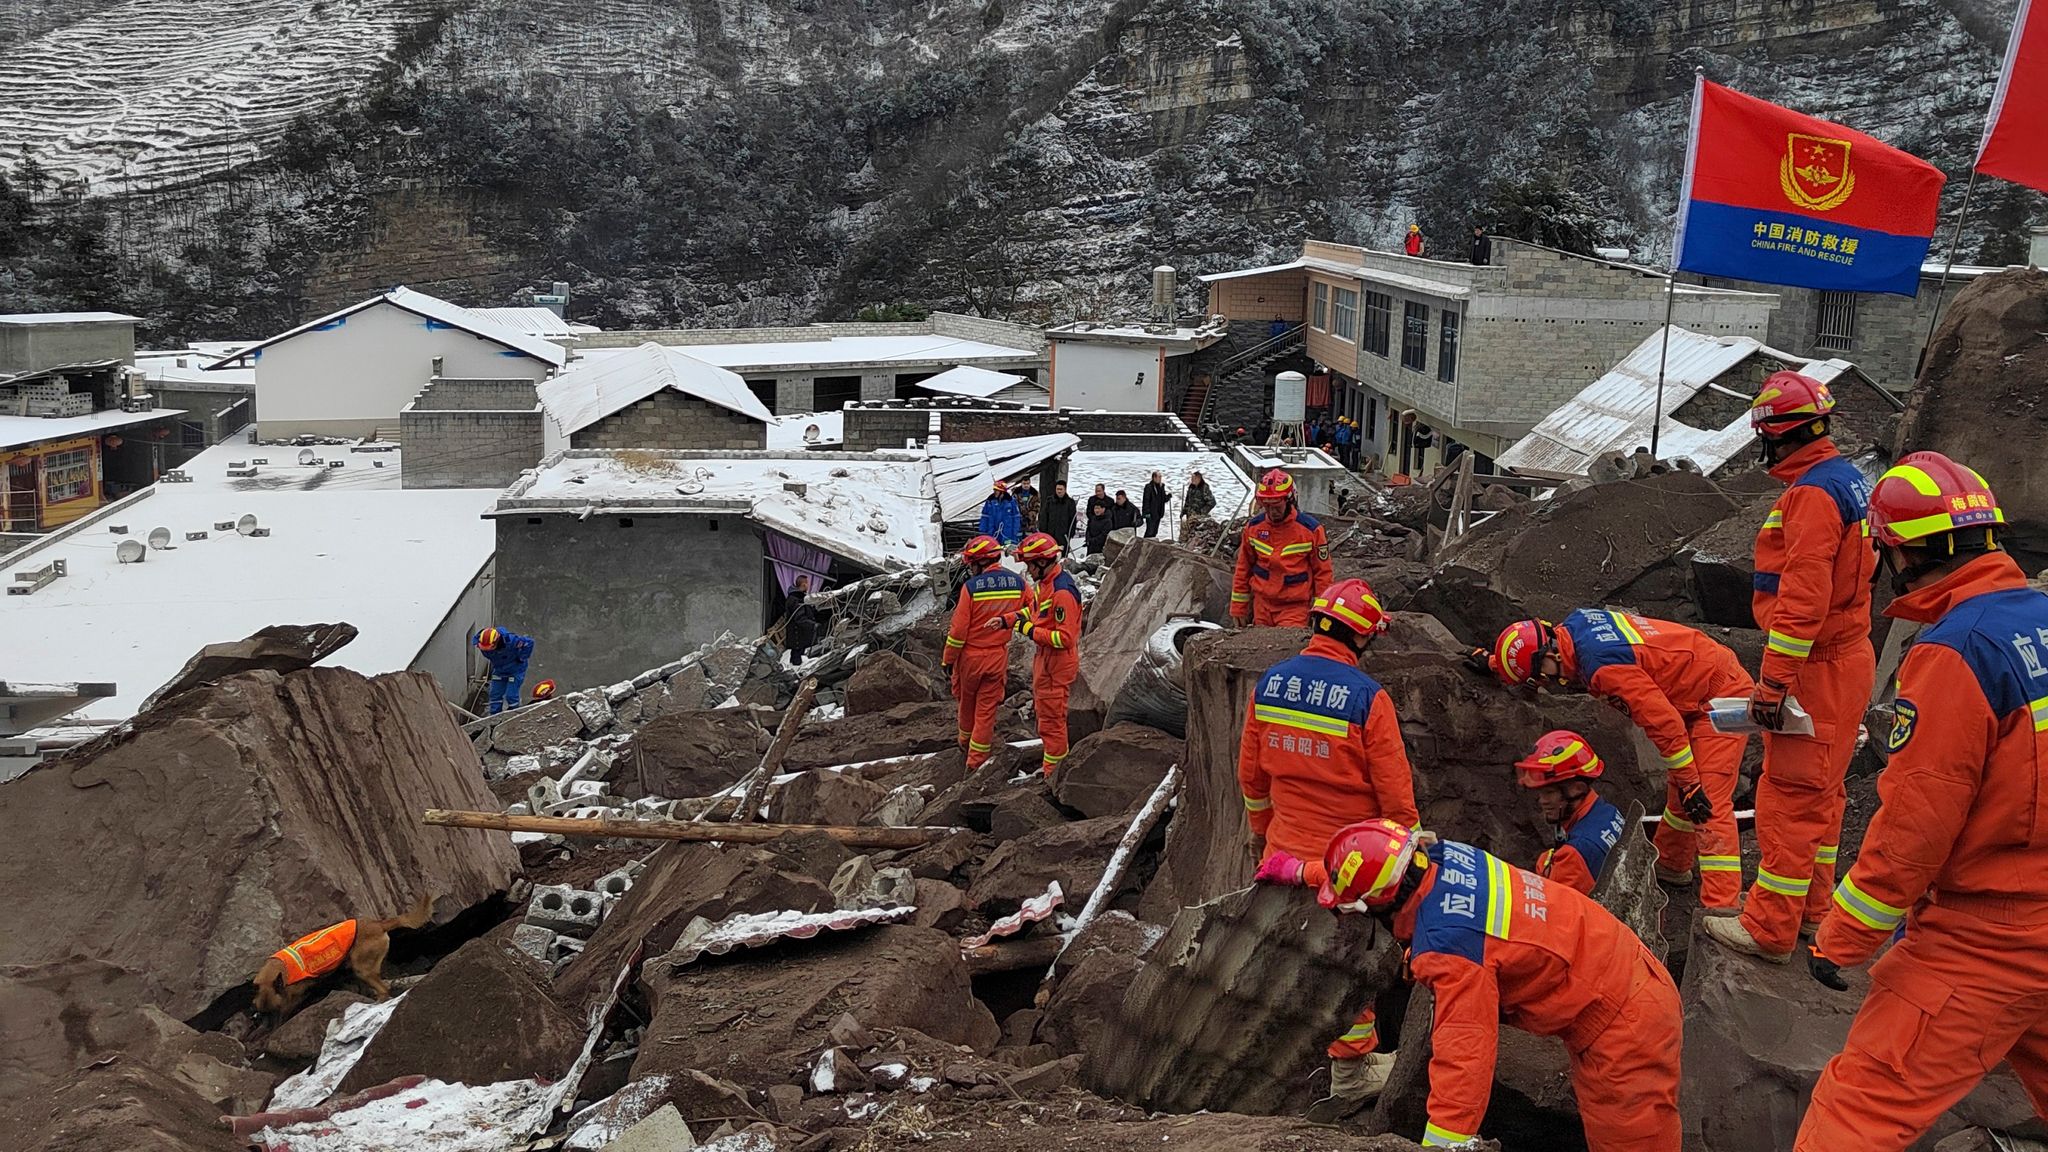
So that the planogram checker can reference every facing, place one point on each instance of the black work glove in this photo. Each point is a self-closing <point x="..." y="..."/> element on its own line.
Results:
<point x="1767" y="706"/>
<point x="1824" y="969"/>
<point x="1693" y="799"/>
<point x="1480" y="661"/>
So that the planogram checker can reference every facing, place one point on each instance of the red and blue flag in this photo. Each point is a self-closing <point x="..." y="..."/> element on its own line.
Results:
<point x="1777" y="197"/>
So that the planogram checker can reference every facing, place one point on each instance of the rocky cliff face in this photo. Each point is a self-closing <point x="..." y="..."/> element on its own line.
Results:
<point x="747" y="161"/>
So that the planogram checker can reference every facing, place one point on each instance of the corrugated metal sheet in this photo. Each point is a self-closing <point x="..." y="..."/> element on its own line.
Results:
<point x="595" y="389"/>
<point x="1030" y="912"/>
<point x="1613" y="413"/>
<point x="540" y="322"/>
<point x="756" y="929"/>
<point x="963" y="474"/>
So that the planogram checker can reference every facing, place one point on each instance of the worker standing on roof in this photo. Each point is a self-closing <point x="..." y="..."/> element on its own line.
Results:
<point x="1958" y="850"/>
<point x="1000" y="517"/>
<point x="1664" y="676"/>
<point x="1561" y="770"/>
<point x="1497" y="945"/>
<point x="1051" y="619"/>
<point x="977" y="657"/>
<point x="1322" y="749"/>
<point x="507" y="654"/>
<point x="1813" y="570"/>
<point x="1283" y="559"/>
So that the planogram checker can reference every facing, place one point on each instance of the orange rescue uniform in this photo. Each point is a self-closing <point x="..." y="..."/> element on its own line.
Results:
<point x="1813" y="569"/>
<point x="317" y="953"/>
<point x="1052" y="620"/>
<point x="1496" y="945"/>
<point x="1281" y="565"/>
<point x="1665" y="676"/>
<point x="1321" y="750"/>
<point x="979" y="657"/>
<point x="1958" y="854"/>
<point x="1589" y="833"/>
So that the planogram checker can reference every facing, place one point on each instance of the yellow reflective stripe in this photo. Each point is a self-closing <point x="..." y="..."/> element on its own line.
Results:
<point x="1677" y="821"/>
<point x="1240" y="596"/>
<point x="1627" y="630"/>
<point x="1872" y="912"/>
<point x="1058" y="641"/>
<point x="1357" y="1032"/>
<point x="1826" y="853"/>
<point x="1309" y="721"/>
<point x="1920" y="526"/>
<point x="1916" y="476"/>
<point x="1500" y="897"/>
<point x="1435" y="1137"/>
<point x="2040" y="711"/>
<point x="1680" y="758"/>
<point x="1720" y="863"/>
<point x="1863" y="526"/>
<point x="1010" y="595"/>
<point x="1262" y="548"/>
<point x="952" y="643"/>
<point x="1791" y="646"/>
<point x="1775" y="520"/>
<point x="978" y="746"/>
<point x="1297" y="549"/>
<point x="1052" y="759"/>
<point x="1782" y="885"/>
<point x="1257" y="803"/>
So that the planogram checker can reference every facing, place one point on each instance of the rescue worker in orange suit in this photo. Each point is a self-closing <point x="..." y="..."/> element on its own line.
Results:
<point x="1322" y="749"/>
<point x="977" y="657"/>
<point x="1812" y="598"/>
<point x="1051" y="619"/>
<point x="1560" y="769"/>
<point x="1664" y="676"/>
<point x="1282" y="561"/>
<point x="1958" y="850"/>
<point x="1498" y="945"/>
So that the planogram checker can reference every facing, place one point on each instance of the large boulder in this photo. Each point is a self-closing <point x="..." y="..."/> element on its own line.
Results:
<point x="756" y="1017"/>
<point x="823" y="796"/>
<point x="1152" y="582"/>
<point x="280" y="648"/>
<point x="1074" y="854"/>
<point x="682" y="754"/>
<point x="900" y="731"/>
<point x="227" y="821"/>
<point x="1720" y="565"/>
<point x="484" y="1014"/>
<point x="883" y="681"/>
<point x="1108" y="772"/>
<point x="1090" y="981"/>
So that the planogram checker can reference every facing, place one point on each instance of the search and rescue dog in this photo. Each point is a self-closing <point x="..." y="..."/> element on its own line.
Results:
<point x="288" y="976"/>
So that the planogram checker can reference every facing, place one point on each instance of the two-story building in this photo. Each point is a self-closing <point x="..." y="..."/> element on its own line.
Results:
<point x="1425" y="354"/>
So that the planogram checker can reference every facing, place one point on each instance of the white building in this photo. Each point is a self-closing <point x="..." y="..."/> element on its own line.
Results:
<point x="1125" y="367"/>
<point x="350" y="373"/>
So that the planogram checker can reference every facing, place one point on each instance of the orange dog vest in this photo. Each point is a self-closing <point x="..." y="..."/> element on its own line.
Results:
<point x="317" y="953"/>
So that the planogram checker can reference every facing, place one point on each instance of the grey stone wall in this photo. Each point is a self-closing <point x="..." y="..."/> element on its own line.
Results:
<point x="468" y="449"/>
<point x="470" y="395"/>
<point x="615" y="594"/>
<point x="670" y="420"/>
<point x="869" y="427"/>
<point x="1890" y="330"/>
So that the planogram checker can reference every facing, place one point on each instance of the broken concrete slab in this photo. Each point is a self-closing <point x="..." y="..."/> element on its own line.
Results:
<point x="1629" y="887"/>
<point x="1194" y="1033"/>
<point x="662" y="1130"/>
<point x="755" y="1017"/>
<point x="1075" y="855"/>
<point x="280" y="648"/>
<point x="1153" y="582"/>
<point x="217" y="835"/>
<point x="483" y="1015"/>
<point x="883" y="681"/>
<point x="536" y="728"/>
<point x="823" y="796"/>
<point x="298" y="1040"/>
<point x="1109" y="772"/>
<point x="1020" y="812"/>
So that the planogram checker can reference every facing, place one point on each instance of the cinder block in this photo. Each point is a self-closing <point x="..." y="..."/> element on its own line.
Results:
<point x="568" y="911"/>
<point x="535" y="941"/>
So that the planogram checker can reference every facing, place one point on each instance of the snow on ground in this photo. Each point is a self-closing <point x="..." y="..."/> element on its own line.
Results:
<point x="436" y="1116"/>
<point x="1131" y="471"/>
<point x="786" y="434"/>
<point x="346" y="544"/>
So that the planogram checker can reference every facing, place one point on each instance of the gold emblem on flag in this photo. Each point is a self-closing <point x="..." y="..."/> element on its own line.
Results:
<point x="1815" y="172"/>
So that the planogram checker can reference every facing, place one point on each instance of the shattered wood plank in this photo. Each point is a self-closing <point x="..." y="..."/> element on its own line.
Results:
<point x="1113" y="874"/>
<point x="1013" y="954"/>
<point x="606" y="828"/>
<point x="771" y="761"/>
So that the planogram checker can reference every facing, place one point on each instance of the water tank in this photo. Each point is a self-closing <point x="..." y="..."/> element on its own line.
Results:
<point x="1163" y="310"/>
<point x="1290" y="397"/>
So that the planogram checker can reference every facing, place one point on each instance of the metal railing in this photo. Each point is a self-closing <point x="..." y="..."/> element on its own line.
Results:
<point x="1284" y="342"/>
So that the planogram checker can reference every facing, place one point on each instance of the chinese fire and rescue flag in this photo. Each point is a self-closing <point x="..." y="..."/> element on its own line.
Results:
<point x="1780" y="198"/>
<point x="2015" y="143"/>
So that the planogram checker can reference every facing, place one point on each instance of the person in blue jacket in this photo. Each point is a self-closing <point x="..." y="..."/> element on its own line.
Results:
<point x="1000" y="518"/>
<point x="507" y="653"/>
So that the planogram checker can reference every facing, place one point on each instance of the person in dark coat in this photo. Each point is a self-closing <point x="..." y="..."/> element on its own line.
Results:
<point x="1200" y="500"/>
<point x="1156" y="497"/>
<point x="1026" y="495"/>
<point x="1482" y="245"/>
<point x="1123" y="513"/>
<point x="1099" y="506"/>
<point x="1056" y="517"/>
<point x="798" y="620"/>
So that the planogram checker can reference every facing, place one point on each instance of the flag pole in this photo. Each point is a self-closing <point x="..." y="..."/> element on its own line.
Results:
<point x="1699" y="78"/>
<point x="1663" y="357"/>
<point x="1955" y="239"/>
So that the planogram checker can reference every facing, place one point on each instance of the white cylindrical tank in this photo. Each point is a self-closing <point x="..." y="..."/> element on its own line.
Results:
<point x="1163" y="286"/>
<point x="1290" y="397"/>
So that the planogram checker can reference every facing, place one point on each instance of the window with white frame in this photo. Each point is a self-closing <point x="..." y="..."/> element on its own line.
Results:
<point x="1321" y="320"/>
<point x="1344" y="315"/>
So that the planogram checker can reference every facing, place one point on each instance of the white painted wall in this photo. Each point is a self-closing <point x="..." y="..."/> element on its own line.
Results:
<point x="368" y="366"/>
<point x="447" y="654"/>
<point x="1102" y="376"/>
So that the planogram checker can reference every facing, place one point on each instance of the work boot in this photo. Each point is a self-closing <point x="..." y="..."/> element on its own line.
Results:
<point x="1362" y="1079"/>
<point x="1808" y="929"/>
<point x="1674" y="878"/>
<point x="1728" y="932"/>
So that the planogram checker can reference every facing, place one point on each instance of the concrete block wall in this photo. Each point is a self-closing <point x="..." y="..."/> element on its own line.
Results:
<point x="452" y="449"/>
<point x="988" y="331"/>
<point x="444" y="394"/>
<point x="1890" y="330"/>
<point x="670" y="420"/>
<point x="795" y="394"/>
<point x="868" y="429"/>
<point x="1250" y="298"/>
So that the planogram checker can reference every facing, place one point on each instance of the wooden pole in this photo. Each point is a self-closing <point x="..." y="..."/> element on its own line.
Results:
<point x="1461" y="499"/>
<point x="1955" y="238"/>
<point x="1113" y="873"/>
<point x="607" y="828"/>
<point x="771" y="761"/>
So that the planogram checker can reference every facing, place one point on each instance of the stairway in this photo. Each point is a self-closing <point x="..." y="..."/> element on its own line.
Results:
<point x="1241" y="382"/>
<point x="1195" y="402"/>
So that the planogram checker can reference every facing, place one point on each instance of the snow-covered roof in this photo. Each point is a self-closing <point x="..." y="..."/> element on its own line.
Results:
<point x="964" y="473"/>
<point x="1290" y="266"/>
<point x="30" y="318"/>
<point x="1131" y="471"/>
<point x="426" y="307"/>
<point x="535" y="321"/>
<point x="1422" y="284"/>
<point x="591" y="391"/>
<point x="968" y="380"/>
<point x="787" y="433"/>
<point x="346" y="544"/>
<point x="1613" y="413"/>
<point x="779" y="355"/>
<point x="1178" y="339"/>
<point x="16" y="431"/>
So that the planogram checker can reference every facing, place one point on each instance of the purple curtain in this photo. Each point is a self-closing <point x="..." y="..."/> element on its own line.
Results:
<point x="793" y="558"/>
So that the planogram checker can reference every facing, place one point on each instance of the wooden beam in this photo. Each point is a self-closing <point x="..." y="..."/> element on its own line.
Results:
<point x="771" y="762"/>
<point x="1013" y="955"/>
<point x="606" y="828"/>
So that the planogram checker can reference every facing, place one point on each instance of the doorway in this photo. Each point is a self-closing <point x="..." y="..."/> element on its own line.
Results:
<point x="23" y="509"/>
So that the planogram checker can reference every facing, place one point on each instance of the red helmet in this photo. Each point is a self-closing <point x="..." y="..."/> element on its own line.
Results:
<point x="1558" y="757"/>
<point x="982" y="551"/>
<point x="1002" y="486"/>
<point x="1038" y="546"/>
<point x="1276" y="485"/>
<point x="1927" y="494"/>
<point x="1519" y="650"/>
<point x="1788" y="401"/>
<point x="1365" y="862"/>
<point x="1352" y="604"/>
<point x="545" y="690"/>
<point x="489" y="639"/>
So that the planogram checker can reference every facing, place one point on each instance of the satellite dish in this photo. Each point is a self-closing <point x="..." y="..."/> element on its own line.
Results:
<point x="130" y="552"/>
<point x="245" y="525"/>
<point x="877" y="525"/>
<point x="159" y="539"/>
<point x="308" y="456"/>
<point x="690" y="487"/>
<point x="811" y="434"/>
